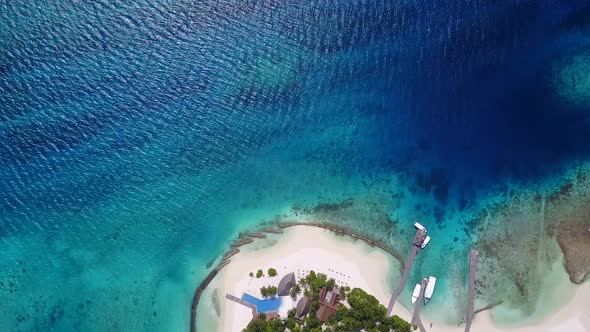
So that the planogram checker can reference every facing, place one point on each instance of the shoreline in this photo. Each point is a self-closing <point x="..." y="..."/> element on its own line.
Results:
<point x="275" y="229"/>
<point x="569" y="313"/>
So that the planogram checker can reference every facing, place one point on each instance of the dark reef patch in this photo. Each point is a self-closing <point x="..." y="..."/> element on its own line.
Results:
<point x="574" y="241"/>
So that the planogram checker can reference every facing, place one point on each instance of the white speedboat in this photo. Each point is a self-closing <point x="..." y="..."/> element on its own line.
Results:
<point x="429" y="289"/>
<point x="425" y="243"/>
<point x="416" y="293"/>
<point x="419" y="226"/>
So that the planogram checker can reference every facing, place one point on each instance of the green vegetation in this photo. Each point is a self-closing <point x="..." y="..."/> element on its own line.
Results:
<point x="260" y="324"/>
<point x="365" y="312"/>
<point x="259" y="274"/>
<point x="270" y="291"/>
<point x="272" y="272"/>
<point x="295" y="290"/>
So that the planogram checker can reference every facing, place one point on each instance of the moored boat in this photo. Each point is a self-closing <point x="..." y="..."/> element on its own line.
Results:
<point x="426" y="240"/>
<point x="429" y="289"/>
<point x="416" y="293"/>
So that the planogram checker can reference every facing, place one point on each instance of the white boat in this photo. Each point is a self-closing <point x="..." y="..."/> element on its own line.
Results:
<point x="425" y="243"/>
<point x="416" y="293"/>
<point x="429" y="289"/>
<point x="419" y="226"/>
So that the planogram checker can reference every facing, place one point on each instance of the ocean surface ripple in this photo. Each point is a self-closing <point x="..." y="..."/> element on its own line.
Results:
<point x="138" y="137"/>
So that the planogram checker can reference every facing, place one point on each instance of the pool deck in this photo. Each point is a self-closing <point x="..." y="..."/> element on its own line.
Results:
<point x="244" y="303"/>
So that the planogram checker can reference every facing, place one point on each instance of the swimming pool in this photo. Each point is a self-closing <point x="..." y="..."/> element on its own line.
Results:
<point x="263" y="305"/>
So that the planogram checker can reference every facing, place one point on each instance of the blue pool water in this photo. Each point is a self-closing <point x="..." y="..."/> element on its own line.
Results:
<point x="139" y="137"/>
<point x="267" y="305"/>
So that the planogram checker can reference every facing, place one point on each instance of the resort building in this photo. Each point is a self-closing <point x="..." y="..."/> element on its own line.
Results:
<point x="270" y="315"/>
<point x="302" y="307"/>
<point x="329" y="300"/>
<point x="285" y="284"/>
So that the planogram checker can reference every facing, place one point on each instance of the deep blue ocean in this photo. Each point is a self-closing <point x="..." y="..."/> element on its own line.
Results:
<point x="138" y="137"/>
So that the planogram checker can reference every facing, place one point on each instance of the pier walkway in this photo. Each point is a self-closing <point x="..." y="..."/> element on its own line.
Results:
<point x="244" y="303"/>
<point x="473" y="258"/>
<point x="416" y="316"/>
<point x="416" y="246"/>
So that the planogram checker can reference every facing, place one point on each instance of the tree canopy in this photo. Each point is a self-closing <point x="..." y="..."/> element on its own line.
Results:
<point x="365" y="312"/>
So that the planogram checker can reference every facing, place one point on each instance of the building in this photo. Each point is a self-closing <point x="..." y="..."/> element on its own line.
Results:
<point x="272" y="315"/>
<point x="285" y="284"/>
<point x="303" y="306"/>
<point x="329" y="301"/>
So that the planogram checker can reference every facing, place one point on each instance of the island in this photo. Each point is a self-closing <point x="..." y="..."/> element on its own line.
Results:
<point x="322" y="305"/>
<point x="319" y="277"/>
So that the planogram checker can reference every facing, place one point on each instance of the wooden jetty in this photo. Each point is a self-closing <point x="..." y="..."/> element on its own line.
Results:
<point x="244" y="303"/>
<point x="416" y="316"/>
<point x="473" y="258"/>
<point x="416" y="246"/>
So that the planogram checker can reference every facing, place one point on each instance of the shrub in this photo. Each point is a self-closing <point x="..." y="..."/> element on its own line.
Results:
<point x="272" y="272"/>
<point x="259" y="274"/>
<point x="295" y="290"/>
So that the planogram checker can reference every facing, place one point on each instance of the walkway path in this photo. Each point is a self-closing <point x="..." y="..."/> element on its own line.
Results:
<point x="418" y="239"/>
<point x="244" y="303"/>
<point x="416" y="317"/>
<point x="473" y="258"/>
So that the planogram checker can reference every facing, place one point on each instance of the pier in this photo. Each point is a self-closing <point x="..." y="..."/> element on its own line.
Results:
<point x="416" y="246"/>
<point x="244" y="303"/>
<point x="473" y="258"/>
<point x="416" y="316"/>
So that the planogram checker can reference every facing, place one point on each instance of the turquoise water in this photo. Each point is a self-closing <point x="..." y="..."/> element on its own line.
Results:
<point x="267" y="305"/>
<point x="138" y="138"/>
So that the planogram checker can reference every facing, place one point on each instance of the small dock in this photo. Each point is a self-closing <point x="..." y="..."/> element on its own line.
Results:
<point x="473" y="258"/>
<point x="416" y="317"/>
<point x="416" y="246"/>
<point x="244" y="303"/>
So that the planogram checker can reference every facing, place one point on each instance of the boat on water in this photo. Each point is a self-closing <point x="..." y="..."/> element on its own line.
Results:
<point x="429" y="289"/>
<point x="416" y="293"/>
<point x="419" y="226"/>
<point x="425" y="243"/>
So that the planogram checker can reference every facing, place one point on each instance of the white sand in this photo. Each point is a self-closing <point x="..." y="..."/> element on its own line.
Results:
<point x="302" y="248"/>
<point x="356" y="264"/>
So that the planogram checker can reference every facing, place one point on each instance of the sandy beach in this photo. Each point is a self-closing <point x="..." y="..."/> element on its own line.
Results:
<point x="353" y="263"/>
